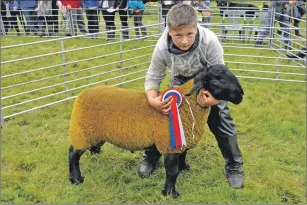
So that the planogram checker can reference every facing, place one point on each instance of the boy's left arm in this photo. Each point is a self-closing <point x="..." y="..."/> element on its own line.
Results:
<point x="215" y="53"/>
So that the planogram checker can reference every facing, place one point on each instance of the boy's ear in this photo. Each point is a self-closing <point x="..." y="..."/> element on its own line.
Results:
<point x="169" y="32"/>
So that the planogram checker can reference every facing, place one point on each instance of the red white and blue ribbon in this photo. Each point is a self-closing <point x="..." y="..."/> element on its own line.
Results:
<point x="177" y="138"/>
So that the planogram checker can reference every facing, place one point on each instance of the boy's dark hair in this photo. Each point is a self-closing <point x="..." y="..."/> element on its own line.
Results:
<point x="180" y="16"/>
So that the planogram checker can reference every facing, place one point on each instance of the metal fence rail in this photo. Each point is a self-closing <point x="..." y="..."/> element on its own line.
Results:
<point x="54" y="70"/>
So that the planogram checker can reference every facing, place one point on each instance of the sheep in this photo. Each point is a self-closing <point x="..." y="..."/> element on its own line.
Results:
<point x="125" y="119"/>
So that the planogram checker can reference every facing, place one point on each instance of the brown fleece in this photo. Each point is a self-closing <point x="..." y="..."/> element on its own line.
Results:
<point x="124" y="118"/>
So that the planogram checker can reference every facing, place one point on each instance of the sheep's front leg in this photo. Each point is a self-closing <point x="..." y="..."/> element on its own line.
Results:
<point x="74" y="156"/>
<point x="183" y="166"/>
<point x="172" y="171"/>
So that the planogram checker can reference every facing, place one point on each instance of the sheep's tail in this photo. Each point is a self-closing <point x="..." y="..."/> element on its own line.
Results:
<point x="193" y="125"/>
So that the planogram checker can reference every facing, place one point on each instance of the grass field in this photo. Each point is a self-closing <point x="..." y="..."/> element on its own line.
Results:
<point x="271" y="134"/>
<point x="271" y="125"/>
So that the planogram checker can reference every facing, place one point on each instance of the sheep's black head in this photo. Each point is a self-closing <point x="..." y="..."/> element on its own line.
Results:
<point x="220" y="82"/>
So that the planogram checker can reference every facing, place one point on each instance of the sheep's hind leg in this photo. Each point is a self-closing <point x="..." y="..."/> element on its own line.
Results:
<point x="172" y="171"/>
<point x="96" y="148"/>
<point x="74" y="156"/>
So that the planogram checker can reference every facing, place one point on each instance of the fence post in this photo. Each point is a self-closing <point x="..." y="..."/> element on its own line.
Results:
<point x="280" y="56"/>
<point x="272" y="20"/>
<point x="71" y="23"/>
<point x="121" y="54"/>
<point x="160" y="19"/>
<point x="3" y="33"/>
<point x="1" y="119"/>
<point x="65" y="70"/>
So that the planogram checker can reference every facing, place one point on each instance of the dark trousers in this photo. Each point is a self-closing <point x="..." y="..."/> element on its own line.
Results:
<point x="30" y="16"/>
<point x="110" y="24"/>
<point x="296" y="26"/>
<point x="224" y="130"/>
<point x="55" y="20"/>
<point x="137" y="18"/>
<point x="43" y="22"/>
<point x="13" y="19"/>
<point x="92" y="20"/>
<point x="165" y="9"/>
<point x="5" y="21"/>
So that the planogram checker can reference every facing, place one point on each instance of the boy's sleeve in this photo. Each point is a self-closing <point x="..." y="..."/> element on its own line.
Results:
<point x="215" y="53"/>
<point x="156" y="71"/>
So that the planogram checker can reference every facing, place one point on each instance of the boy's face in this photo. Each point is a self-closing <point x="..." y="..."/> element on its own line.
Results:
<point x="184" y="37"/>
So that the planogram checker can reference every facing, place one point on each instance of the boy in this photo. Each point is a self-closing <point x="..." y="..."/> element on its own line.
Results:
<point x="185" y="47"/>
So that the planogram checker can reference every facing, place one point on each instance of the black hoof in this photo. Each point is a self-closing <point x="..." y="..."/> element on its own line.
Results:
<point x="75" y="181"/>
<point x="185" y="167"/>
<point x="175" y="194"/>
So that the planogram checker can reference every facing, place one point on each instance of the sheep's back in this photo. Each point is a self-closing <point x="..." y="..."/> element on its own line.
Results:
<point x="120" y="116"/>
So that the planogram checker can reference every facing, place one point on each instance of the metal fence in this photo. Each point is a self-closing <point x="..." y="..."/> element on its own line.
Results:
<point x="54" y="70"/>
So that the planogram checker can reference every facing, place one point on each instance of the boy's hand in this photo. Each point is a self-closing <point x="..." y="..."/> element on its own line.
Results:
<point x="155" y="102"/>
<point x="205" y="98"/>
<point x="162" y="106"/>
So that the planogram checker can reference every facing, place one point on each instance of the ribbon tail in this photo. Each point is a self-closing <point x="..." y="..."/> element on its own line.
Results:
<point x="171" y="128"/>
<point x="174" y="111"/>
<point x="183" y="140"/>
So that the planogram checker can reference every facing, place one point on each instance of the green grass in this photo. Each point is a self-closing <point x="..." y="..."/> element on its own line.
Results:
<point x="270" y="122"/>
<point x="271" y="134"/>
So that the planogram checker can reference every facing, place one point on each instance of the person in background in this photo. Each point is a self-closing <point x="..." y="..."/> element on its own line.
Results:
<point x="282" y="15"/>
<point x="72" y="9"/>
<point x="208" y="17"/>
<point x="136" y="9"/>
<point x="297" y="10"/>
<point x="203" y="10"/>
<point x="109" y="8"/>
<point x="14" y="16"/>
<point x="44" y="17"/>
<point x="55" y="18"/>
<point x="4" y="18"/>
<point x="28" y="10"/>
<point x="91" y="10"/>
<point x="166" y="6"/>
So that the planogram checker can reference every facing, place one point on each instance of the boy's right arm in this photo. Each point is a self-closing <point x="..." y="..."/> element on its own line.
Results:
<point x="154" y="76"/>
<point x="156" y="71"/>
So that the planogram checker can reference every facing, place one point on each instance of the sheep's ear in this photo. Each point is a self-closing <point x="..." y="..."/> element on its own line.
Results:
<point x="195" y="88"/>
<point x="199" y="82"/>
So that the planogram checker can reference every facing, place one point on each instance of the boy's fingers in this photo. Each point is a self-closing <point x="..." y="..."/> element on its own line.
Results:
<point x="168" y="104"/>
<point x="166" y="111"/>
<point x="167" y="100"/>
